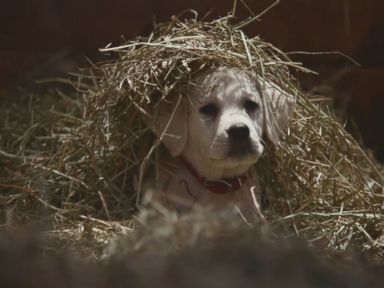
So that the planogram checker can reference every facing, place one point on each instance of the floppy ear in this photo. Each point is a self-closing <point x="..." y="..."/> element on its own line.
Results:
<point x="278" y="109"/>
<point x="170" y="124"/>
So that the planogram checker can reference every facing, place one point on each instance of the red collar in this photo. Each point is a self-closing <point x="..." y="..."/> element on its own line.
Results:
<point x="221" y="186"/>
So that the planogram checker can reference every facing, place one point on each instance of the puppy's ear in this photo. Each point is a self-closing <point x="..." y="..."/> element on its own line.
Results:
<point x="278" y="109"/>
<point x="170" y="124"/>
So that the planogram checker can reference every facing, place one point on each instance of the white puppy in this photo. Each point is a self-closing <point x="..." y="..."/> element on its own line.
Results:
<point x="216" y="138"/>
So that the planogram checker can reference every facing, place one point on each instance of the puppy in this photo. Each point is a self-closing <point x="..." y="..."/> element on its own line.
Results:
<point x="215" y="138"/>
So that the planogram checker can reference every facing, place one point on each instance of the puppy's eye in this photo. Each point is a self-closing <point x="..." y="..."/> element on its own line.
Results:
<point x="251" y="106"/>
<point x="209" y="110"/>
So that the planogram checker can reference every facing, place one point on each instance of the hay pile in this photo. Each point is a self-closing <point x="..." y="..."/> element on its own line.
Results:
<point x="92" y="143"/>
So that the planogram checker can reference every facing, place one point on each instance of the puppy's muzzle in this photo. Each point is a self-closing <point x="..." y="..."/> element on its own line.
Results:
<point x="240" y="143"/>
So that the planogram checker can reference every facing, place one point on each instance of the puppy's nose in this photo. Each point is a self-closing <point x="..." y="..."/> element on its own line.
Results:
<point x="238" y="132"/>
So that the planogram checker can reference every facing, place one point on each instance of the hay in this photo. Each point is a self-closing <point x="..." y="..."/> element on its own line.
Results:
<point x="328" y="189"/>
<point x="320" y="182"/>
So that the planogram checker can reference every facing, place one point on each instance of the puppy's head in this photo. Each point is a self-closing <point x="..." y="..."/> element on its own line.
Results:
<point x="225" y="119"/>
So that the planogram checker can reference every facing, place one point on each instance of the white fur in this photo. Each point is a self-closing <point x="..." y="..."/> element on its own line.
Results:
<point x="204" y="140"/>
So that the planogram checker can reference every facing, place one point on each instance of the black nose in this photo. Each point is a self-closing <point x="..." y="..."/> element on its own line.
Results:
<point x="238" y="132"/>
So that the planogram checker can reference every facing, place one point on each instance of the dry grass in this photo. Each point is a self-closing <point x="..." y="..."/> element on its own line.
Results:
<point x="76" y="158"/>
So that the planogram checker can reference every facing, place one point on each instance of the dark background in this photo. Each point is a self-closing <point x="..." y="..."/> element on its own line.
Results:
<point x="41" y="38"/>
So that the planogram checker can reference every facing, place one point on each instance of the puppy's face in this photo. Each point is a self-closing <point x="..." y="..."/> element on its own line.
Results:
<point x="226" y="118"/>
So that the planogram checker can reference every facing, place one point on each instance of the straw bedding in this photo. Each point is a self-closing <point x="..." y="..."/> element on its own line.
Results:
<point x="74" y="156"/>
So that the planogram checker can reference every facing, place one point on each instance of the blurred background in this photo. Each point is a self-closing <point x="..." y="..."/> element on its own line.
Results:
<point x="44" y="38"/>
